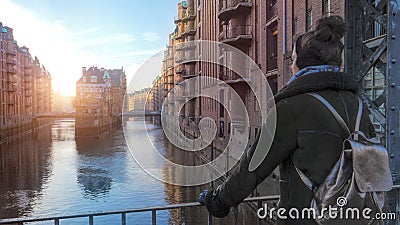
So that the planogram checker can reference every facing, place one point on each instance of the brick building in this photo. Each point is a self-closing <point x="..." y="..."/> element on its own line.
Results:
<point x="264" y="30"/>
<point x="140" y="101"/>
<point x="25" y="86"/>
<point x="99" y="100"/>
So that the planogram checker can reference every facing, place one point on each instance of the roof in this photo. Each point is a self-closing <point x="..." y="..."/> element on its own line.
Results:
<point x="116" y="76"/>
<point x="105" y="75"/>
<point x="101" y="74"/>
<point x="92" y="71"/>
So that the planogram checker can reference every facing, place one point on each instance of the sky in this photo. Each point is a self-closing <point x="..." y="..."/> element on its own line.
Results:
<point x="69" y="35"/>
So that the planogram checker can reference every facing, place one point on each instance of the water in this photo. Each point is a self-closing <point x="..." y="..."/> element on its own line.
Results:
<point x="53" y="173"/>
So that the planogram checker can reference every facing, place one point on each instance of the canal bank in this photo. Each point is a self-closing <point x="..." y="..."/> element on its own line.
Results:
<point x="13" y="131"/>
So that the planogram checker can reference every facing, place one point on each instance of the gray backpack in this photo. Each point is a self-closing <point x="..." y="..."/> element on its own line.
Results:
<point x="358" y="182"/>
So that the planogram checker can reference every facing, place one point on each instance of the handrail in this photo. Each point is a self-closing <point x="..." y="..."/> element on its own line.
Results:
<point x="153" y="209"/>
<point x="123" y="213"/>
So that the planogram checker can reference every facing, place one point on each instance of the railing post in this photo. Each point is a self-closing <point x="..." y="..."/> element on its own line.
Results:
<point x="91" y="220"/>
<point x="154" y="217"/>
<point x="183" y="216"/>
<point x="56" y="222"/>
<point x="209" y="219"/>
<point x="235" y="215"/>
<point x="123" y="215"/>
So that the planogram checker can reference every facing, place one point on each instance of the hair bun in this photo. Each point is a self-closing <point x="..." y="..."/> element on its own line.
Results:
<point x="330" y="29"/>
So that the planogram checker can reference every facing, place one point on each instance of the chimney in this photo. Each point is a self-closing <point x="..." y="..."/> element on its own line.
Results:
<point x="83" y="71"/>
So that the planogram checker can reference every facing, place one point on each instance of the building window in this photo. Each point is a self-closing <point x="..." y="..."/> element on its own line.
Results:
<point x="84" y="79"/>
<point x="221" y="128"/>
<point x="249" y="93"/>
<point x="93" y="79"/>
<point x="274" y="55"/>
<point x="308" y="19"/>
<point x="256" y="106"/>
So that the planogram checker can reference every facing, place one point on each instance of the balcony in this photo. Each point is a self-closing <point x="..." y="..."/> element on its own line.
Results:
<point x="12" y="79"/>
<point x="188" y="94"/>
<point x="28" y="86"/>
<point x="179" y="59"/>
<point x="229" y="8"/>
<point x="11" y="87"/>
<point x="170" y="65"/>
<point x="189" y="46"/>
<point x="237" y="35"/>
<point x="177" y="19"/>
<point x="170" y="73"/>
<point x="11" y="100"/>
<point x="188" y="31"/>
<point x="28" y="71"/>
<point x="28" y="92"/>
<point x="188" y="15"/>
<point x="11" y="61"/>
<point x="189" y="56"/>
<point x="188" y="74"/>
<point x="230" y="77"/>
<point x="11" y="52"/>
<point x="28" y="79"/>
<point x="11" y="69"/>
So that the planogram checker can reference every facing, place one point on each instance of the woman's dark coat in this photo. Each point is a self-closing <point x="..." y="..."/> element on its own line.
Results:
<point x="306" y="131"/>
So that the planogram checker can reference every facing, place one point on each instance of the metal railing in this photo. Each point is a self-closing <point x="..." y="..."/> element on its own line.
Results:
<point x="123" y="213"/>
<point x="235" y="32"/>
<point x="231" y="4"/>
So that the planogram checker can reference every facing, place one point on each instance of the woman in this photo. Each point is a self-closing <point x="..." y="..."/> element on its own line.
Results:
<point x="306" y="132"/>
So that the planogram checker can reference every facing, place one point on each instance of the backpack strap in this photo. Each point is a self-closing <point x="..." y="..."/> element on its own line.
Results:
<point x="333" y="111"/>
<point x="338" y="117"/>
<point x="309" y="184"/>
<point x="358" y="120"/>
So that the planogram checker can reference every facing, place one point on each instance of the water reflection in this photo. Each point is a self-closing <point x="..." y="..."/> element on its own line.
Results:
<point x="92" y="175"/>
<point x="25" y="167"/>
<point x="52" y="173"/>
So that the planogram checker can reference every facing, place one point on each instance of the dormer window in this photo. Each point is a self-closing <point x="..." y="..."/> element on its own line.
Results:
<point x="93" y="79"/>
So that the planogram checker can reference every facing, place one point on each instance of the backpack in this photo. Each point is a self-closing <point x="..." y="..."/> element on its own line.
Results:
<point x="357" y="183"/>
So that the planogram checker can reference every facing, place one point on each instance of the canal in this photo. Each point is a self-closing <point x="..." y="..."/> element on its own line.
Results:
<point x="51" y="172"/>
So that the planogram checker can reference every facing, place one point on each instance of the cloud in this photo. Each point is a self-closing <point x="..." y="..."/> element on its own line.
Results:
<point x="109" y="39"/>
<point x="150" y="36"/>
<point x="87" y="31"/>
<point x="64" y="51"/>
<point x="49" y="41"/>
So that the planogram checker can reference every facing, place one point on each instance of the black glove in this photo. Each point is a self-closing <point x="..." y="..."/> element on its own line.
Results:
<point x="214" y="204"/>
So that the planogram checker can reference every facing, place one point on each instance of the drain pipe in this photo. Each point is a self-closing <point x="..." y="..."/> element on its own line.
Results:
<point x="284" y="27"/>
<point x="284" y="42"/>
<point x="261" y="40"/>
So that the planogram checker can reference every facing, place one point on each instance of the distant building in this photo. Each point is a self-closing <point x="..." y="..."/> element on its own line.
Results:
<point x="99" y="100"/>
<point x="68" y="105"/>
<point x="25" y="86"/>
<point x="57" y="101"/>
<point x="140" y="101"/>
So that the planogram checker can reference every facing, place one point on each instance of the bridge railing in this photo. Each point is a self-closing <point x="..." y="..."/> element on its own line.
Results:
<point x="123" y="213"/>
